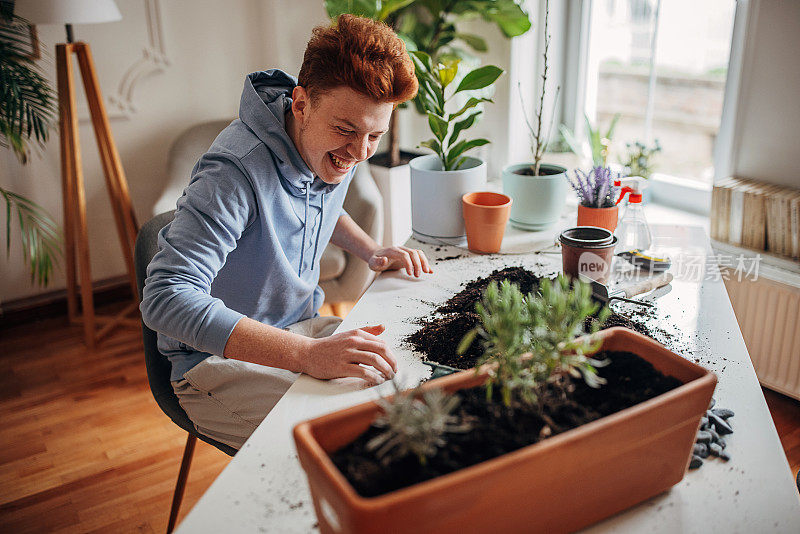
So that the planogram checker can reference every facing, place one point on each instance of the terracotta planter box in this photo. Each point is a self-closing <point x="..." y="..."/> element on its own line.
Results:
<point x="560" y="484"/>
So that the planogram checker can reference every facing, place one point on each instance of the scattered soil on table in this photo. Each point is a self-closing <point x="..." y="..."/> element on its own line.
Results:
<point x="497" y="429"/>
<point x="439" y="338"/>
<point x="464" y="301"/>
<point x="441" y="332"/>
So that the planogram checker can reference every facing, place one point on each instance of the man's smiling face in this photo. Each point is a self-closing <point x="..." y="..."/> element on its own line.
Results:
<point x="336" y="129"/>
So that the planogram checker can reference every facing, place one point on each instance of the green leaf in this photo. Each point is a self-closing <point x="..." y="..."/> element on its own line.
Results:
<point x="391" y="6"/>
<point x="362" y="8"/>
<point x="475" y="42"/>
<point x="571" y="140"/>
<point x="462" y="147"/>
<point x="438" y="126"/>
<point x="479" y="78"/>
<point x="612" y="126"/>
<point x="471" y="103"/>
<point x="423" y="57"/>
<point x="461" y="126"/>
<point x="39" y="236"/>
<point x="469" y="337"/>
<point x="447" y="72"/>
<point x="433" y="144"/>
<point x="509" y="17"/>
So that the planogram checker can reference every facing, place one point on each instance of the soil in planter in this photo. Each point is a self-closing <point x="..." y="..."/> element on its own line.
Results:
<point x="527" y="171"/>
<point x="497" y="429"/>
<point x="441" y="332"/>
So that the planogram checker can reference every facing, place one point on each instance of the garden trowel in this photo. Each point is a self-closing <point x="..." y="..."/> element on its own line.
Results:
<point x="600" y="291"/>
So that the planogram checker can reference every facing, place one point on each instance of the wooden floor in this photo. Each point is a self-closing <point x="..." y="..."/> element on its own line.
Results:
<point x="86" y="449"/>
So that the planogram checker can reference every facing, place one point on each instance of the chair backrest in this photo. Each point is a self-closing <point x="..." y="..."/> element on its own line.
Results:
<point x="158" y="366"/>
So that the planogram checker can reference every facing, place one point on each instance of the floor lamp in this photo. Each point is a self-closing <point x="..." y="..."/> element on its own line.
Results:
<point x="76" y="240"/>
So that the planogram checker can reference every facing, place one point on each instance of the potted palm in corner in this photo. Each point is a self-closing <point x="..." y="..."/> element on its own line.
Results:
<point x="439" y="180"/>
<point x="537" y="439"/>
<point x="27" y="110"/>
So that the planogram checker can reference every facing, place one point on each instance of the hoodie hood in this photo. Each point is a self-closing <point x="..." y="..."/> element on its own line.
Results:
<point x="266" y="98"/>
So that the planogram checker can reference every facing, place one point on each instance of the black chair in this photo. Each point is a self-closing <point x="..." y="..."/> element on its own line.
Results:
<point x="158" y="367"/>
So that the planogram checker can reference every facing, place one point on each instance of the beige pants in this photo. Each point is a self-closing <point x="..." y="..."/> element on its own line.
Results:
<point x="227" y="399"/>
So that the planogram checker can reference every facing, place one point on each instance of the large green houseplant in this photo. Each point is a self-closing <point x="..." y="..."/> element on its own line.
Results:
<point x="514" y="452"/>
<point x="431" y="26"/>
<point x="27" y="110"/>
<point x="439" y="180"/>
<point x="434" y="27"/>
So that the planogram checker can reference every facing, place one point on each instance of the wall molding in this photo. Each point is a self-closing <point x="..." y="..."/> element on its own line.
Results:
<point x="154" y="60"/>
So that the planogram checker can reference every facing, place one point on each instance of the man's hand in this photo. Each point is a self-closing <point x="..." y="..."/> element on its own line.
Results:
<point x="346" y="354"/>
<point x="390" y="258"/>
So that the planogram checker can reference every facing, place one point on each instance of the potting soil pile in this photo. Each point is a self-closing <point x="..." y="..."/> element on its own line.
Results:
<point x="442" y="331"/>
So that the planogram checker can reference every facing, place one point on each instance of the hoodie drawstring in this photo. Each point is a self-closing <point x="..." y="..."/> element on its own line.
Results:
<point x="319" y="231"/>
<point x="305" y="227"/>
<point x="305" y="230"/>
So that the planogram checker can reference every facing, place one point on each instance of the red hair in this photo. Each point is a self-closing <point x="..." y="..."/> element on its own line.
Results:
<point x="362" y="54"/>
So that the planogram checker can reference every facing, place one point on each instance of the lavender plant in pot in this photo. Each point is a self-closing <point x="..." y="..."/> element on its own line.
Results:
<point x="539" y="190"/>
<point x="533" y="441"/>
<point x="598" y="196"/>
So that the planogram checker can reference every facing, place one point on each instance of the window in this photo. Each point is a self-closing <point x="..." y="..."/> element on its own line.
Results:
<point x="662" y="66"/>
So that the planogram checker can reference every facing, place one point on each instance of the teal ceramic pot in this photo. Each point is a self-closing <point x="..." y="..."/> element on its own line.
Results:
<point x="538" y="200"/>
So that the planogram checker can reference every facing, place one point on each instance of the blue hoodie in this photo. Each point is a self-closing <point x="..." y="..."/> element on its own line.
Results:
<point x="247" y="237"/>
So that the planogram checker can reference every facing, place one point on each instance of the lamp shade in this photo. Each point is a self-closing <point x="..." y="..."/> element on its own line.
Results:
<point x="67" y="11"/>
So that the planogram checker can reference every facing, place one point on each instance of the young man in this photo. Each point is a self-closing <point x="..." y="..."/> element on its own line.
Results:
<point x="233" y="290"/>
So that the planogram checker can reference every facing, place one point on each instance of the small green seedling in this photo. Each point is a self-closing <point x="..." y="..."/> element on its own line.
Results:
<point x="536" y="339"/>
<point x="415" y="423"/>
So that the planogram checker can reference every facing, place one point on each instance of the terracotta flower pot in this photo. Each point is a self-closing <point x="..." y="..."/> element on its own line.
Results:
<point x="485" y="217"/>
<point x="602" y="217"/>
<point x="560" y="484"/>
<point x="588" y="251"/>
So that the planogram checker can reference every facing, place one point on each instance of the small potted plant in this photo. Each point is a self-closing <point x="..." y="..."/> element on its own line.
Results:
<point x="639" y="162"/>
<point x="598" y="196"/>
<point x="639" y="159"/>
<point x="596" y="148"/>
<point x="439" y="180"/>
<point x="539" y="190"/>
<point x="533" y="441"/>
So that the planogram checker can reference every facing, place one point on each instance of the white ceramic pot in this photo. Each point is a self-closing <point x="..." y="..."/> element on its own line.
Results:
<point x="538" y="200"/>
<point x="436" y="197"/>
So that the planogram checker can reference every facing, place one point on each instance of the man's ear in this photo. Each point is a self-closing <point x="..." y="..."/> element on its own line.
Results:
<point x="301" y="102"/>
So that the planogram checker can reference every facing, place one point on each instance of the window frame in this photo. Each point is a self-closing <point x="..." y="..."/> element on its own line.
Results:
<point x="689" y="195"/>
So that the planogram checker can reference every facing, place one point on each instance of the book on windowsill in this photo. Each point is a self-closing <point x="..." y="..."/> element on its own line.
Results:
<point x="757" y="215"/>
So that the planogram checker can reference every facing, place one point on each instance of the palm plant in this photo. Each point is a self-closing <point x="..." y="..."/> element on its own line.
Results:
<point x="27" y="110"/>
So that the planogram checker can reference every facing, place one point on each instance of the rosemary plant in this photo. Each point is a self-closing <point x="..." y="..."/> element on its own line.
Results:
<point x="415" y="425"/>
<point x="536" y="339"/>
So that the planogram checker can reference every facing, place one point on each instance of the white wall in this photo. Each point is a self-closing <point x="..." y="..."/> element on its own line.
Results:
<point x="211" y="45"/>
<point x="765" y="141"/>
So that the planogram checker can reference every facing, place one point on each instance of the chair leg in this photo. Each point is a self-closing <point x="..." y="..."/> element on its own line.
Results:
<point x="180" y="486"/>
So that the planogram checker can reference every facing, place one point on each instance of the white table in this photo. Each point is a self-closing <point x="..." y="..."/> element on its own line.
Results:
<point x="264" y="489"/>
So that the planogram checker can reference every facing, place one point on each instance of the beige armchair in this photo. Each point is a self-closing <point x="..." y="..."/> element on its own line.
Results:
<point x="343" y="276"/>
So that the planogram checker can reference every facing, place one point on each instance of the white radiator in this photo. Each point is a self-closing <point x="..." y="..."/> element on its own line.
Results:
<point x="768" y="313"/>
